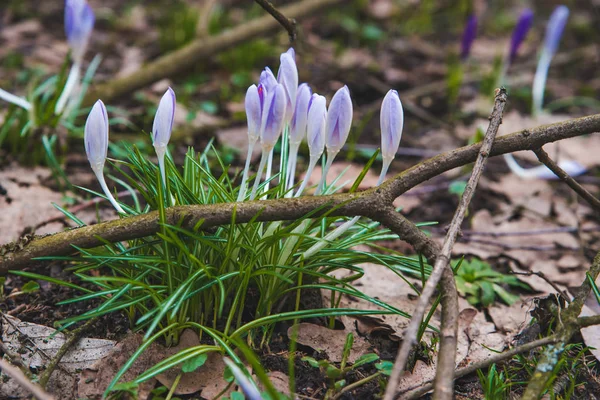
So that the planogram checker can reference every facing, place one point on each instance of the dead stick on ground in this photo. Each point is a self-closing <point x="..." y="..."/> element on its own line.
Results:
<point x="198" y="50"/>
<point x="447" y="355"/>
<point x="16" y="374"/>
<point x="73" y="338"/>
<point x="558" y="171"/>
<point x="288" y="23"/>
<point x="15" y="255"/>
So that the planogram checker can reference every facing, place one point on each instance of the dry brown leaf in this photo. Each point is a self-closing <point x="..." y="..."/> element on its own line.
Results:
<point x="328" y="340"/>
<point x="37" y="344"/>
<point x="513" y="318"/>
<point x="591" y="334"/>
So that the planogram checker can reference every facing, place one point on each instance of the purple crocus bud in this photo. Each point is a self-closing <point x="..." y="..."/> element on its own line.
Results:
<point x="555" y="28"/>
<point x="520" y="32"/>
<point x="288" y="77"/>
<point x="317" y="120"/>
<point x="468" y="37"/>
<point x="392" y="122"/>
<point x="163" y="120"/>
<point x="79" y="22"/>
<point x="273" y="117"/>
<point x="267" y="79"/>
<point x="255" y="97"/>
<point x="298" y="123"/>
<point x="96" y="136"/>
<point x="339" y="120"/>
<point x="292" y="53"/>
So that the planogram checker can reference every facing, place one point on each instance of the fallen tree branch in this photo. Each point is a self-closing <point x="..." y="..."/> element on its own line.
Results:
<point x="16" y="374"/>
<point x="561" y="173"/>
<point x="369" y="203"/>
<point x="198" y="50"/>
<point x="444" y="378"/>
<point x="288" y="23"/>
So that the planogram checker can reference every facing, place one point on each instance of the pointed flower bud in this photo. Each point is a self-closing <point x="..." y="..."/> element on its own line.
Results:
<point x="339" y="120"/>
<point x="299" y="119"/>
<point x="273" y="117"/>
<point x="317" y="119"/>
<point x="555" y="28"/>
<point x="255" y="99"/>
<point x="291" y="52"/>
<point x="267" y="79"/>
<point x="79" y="22"/>
<point x="468" y="37"/>
<point x="519" y="33"/>
<point x="392" y="122"/>
<point x="163" y="120"/>
<point x="96" y="136"/>
<point x="288" y="77"/>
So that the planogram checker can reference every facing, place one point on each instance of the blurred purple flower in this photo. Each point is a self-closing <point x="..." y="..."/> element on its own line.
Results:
<point x="317" y="119"/>
<point x="555" y="28"/>
<point x="519" y="33"/>
<point x="255" y="99"/>
<point x="79" y="22"/>
<point x="468" y="37"/>
<point x="163" y="120"/>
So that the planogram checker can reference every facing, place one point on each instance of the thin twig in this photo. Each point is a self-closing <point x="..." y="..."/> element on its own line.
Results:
<point x="558" y="171"/>
<point x="16" y="374"/>
<point x="496" y="358"/>
<point x="74" y="337"/>
<point x="543" y="277"/>
<point x="288" y="23"/>
<point x="447" y="355"/>
<point x="15" y="255"/>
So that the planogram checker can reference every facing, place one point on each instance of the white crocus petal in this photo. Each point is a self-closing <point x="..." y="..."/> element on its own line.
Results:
<point x="96" y="135"/>
<point x="273" y="117"/>
<point x="287" y="75"/>
<point x="162" y="127"/>
<point x="253" y="107"/>
<point x="96" y="146"/>
<point x="299" y="119"/>
<point x="571" y="167"/>
<point x="339" y="121"/>
<point x="317" y="117"/>
<point x="392" y="121"/>
<point x="267" y="79"/>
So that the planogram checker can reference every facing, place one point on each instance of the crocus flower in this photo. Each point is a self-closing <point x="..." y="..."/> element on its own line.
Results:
<point x="299" y="120"/>
<point x="468" y="37"/>
<point x="297" y="130"/>
<point x="273" y="117"/>
<point x="162" y="127"/>
<point x="339" y="121"/>
<point x="392" y="121"/>
<point x="247" y="386"/>
<point x="287" y="75"/>
<point x="519" y="33"/>
<point x="317" y="120"/>
<point x="254" y="103"/>
<point x="272" y="121"/>
<point x="267" y="79"/>
<point x="79" y="22"/>
<point x="96" y="146"/>
<point x="554" y="32"/>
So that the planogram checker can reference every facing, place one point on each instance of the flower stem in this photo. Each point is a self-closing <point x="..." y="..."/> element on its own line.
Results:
<point x="16" y="100"/>
<point x="268" y="173"/>
<point x="72" y="81"/>
<point x="100" y="175"/>
<point x="243" y="185"/>
<point x="261" y="167"/>
<point x="311" y="165"/>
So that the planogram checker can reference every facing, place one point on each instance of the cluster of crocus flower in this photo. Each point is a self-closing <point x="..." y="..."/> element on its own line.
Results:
<point x="274" y="107"/>
<point x="79" y="22"/>
<point x="279" y="106"/>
